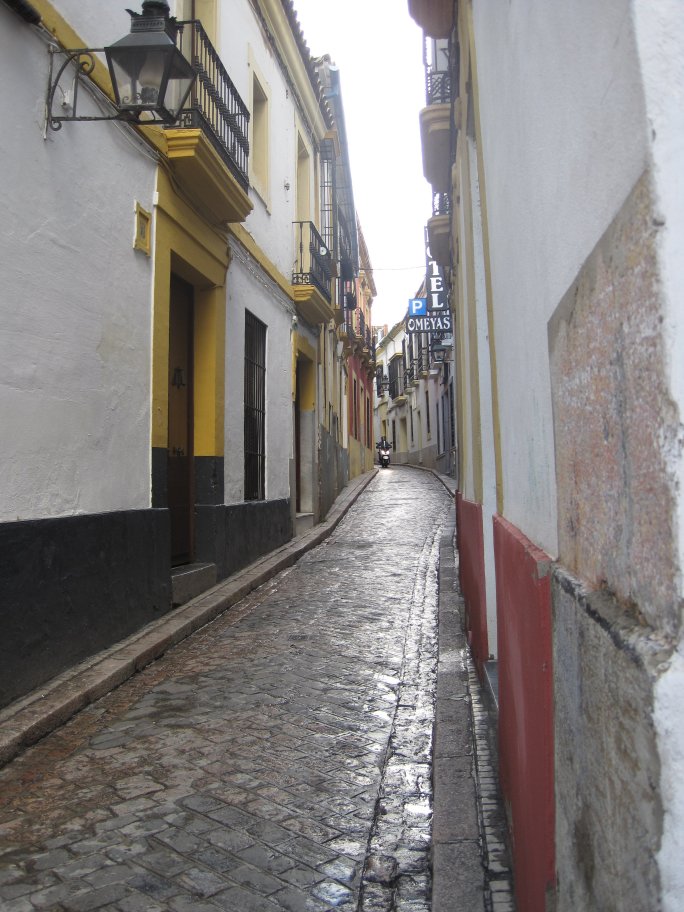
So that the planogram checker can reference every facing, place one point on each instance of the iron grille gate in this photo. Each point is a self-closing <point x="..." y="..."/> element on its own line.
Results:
<point x="255" y="408"/>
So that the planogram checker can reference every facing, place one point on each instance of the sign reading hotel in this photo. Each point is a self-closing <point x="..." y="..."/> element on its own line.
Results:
<point x="430" y="314"/>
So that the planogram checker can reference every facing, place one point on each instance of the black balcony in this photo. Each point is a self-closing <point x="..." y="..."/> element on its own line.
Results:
<point x="441" y="203"/>
<point x="437" y="86"/>
<point x="214" y="105"/>
<point x="312" y="262"/>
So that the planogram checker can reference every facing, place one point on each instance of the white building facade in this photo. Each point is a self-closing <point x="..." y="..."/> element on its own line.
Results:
<point x="559" y="142"/>
<point x="174" y="382"/>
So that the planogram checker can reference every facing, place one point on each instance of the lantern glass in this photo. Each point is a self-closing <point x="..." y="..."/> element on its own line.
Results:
<point x="149" y="74"/>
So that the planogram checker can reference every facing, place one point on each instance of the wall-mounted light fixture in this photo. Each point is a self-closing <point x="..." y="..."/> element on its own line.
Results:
<point x="150" y="76"/>
<point x="382" y="384"/>
<point x="440" y="352"/>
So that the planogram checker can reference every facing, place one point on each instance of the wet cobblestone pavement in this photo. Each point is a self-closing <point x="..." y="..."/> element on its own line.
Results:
<point x="279" y="759"/>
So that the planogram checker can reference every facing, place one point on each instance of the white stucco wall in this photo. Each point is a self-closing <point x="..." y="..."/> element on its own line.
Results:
<point x="75" y="301"/>
<point x="660" y="37"/>
<point x="249" y="289"/>
<point x="244" y="47"/>
<point x="564" y="140"/>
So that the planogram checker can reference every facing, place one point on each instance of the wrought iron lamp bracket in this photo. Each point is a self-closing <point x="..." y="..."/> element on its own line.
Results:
<point x="84" y="63"/>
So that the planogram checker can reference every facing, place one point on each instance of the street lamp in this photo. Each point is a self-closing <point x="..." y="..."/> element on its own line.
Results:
<point x="150" y="76"/>
<point x="440" y="352"/>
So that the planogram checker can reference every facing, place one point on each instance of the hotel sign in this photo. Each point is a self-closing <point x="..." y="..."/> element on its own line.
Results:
<point x="430" y="314"/>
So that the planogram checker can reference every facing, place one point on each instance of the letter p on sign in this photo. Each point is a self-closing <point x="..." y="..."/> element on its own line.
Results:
<point x="417" y="307"/>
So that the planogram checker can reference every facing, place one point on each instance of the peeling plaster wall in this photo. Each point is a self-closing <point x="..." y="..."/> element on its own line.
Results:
<point x="613" y="420"/>
<point x="75" y="300"/>
<point x="614" y="424"/>
<point x="660" y="36"/>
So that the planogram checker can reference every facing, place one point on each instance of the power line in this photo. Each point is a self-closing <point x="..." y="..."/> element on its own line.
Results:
<point x="394" y="268"/>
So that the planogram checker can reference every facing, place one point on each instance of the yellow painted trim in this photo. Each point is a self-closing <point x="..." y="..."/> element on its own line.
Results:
<point x="142" y="236"/>
<point x="204" y="176"/>
<point x="496" y="414"/>
<point x="275" y="17"/>
<point x="211" y="248"/>
<point x="261" y="182"/>
<point x="471" y="304"/>
<point x="245" y="238"/>
<point x="311" y="304"/>
<point x="209" y="371"/>
<point x="187" y="245"/>
<point x="307" y="353"/>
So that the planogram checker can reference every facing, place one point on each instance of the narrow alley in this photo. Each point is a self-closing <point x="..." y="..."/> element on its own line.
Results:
<point x="280" y="758"/>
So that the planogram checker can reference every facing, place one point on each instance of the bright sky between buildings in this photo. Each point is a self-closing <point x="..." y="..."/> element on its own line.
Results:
<point x="378" y="49"/>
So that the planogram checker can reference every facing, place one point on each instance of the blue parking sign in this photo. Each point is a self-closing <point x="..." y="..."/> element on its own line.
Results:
<point x="417" y="307"/>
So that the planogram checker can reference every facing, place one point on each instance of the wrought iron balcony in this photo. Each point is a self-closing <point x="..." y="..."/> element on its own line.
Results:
<point x="441" y="203"/>
<point x="437" y="86"/>
<point x="439" y="229"/>
<point x="214" y="105"/>
<point x="312" y="259"/>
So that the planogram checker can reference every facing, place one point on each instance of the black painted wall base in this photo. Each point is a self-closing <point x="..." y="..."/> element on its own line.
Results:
<point x="236" y="535"/>
<point x="72" y="586"/>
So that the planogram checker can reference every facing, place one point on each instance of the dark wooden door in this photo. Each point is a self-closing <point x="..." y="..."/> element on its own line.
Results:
<point x="297" y="438"/>
<point x="180" y="473"/>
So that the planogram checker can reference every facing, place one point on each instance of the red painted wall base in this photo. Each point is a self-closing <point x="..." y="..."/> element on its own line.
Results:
<point x="472" y="576"/>
<point x="523" y="592"/>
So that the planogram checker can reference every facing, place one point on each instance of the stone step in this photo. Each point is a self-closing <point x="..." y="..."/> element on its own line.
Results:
<point x="190" y="580"/>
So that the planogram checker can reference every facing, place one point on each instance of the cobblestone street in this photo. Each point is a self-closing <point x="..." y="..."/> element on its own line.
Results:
<point x="280" y="758"/>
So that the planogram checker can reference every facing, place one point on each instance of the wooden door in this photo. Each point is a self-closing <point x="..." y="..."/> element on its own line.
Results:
<point x="180" y="453"/>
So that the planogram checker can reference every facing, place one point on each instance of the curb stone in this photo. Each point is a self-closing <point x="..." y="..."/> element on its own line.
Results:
<point x="30" y="718"/>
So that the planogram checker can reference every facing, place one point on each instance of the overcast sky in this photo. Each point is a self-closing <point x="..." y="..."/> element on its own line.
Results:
<point x="378" y="49"/>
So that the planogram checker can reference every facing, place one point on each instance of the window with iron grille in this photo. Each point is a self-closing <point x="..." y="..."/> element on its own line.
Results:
<point x="451" y="414"/>
<point x="255" y="408"/>
<point x="396" y="377"/>
<point x="327" y="190"/>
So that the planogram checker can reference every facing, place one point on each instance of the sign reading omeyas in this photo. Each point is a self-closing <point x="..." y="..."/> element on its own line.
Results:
<point x="422" y="320"/>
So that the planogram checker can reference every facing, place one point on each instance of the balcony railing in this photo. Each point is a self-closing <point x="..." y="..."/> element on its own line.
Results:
<point x="214" y="105"/>
<point x="441" y="203"/>
<point x="438" y="86"/>
<point x="312" y="263"/>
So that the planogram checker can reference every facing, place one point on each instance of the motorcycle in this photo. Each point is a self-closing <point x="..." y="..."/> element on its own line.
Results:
<point x="384" y="455"/>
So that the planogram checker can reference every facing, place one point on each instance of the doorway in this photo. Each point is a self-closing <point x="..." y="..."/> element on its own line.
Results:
<point x="180" y="447"/>
<point x="304" y="435"/>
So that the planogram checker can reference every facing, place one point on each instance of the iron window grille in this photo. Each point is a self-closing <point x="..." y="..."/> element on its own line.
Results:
<point x="255" y="408"/>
